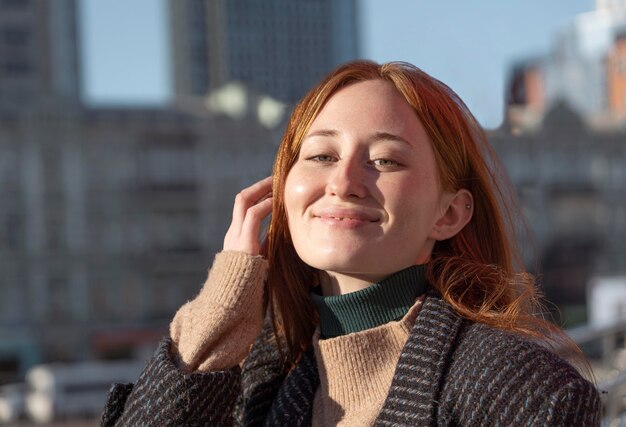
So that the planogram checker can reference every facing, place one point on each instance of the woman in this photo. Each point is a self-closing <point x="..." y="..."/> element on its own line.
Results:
<point x="389" y="276"/>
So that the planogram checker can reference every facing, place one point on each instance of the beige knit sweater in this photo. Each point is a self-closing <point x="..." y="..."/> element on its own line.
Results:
<point x="215" y="330"/>
<point x="356" y="372"/>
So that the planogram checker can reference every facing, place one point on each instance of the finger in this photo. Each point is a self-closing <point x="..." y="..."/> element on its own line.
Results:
<point x="252" y="223"/>
<point x="249" y="197"/>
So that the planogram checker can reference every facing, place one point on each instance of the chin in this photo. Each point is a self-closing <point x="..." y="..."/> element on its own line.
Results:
<point x="343" y="263"/>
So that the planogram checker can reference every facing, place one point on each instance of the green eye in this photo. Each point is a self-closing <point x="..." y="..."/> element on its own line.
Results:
<point x="385" y="162"/>
<point x="321" y="158"/>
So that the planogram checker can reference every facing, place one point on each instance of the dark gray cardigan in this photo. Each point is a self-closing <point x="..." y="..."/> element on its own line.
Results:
<point x="451" y="372"/>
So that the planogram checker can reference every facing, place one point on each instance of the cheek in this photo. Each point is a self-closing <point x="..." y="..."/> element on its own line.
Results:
<point x="293" y="192"/>
<point x="299" y="191"/>
<point x="412" y="202"/>
<point x="297" y="198"/>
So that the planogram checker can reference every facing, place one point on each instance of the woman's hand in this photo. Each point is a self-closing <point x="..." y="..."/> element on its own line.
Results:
<point x="252" y="205"/>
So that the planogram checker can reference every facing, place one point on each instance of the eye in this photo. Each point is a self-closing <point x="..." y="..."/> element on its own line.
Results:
<point x="322" y="158"/>
<point x="385" y="163"/>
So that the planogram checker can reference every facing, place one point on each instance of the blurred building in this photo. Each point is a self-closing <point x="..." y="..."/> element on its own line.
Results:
<point x="38" y="53"/>
<point x="279" y="47"/>
<point x="111" y="220"/>
<point x="586" y="69"/>
<point x="564" y="145"/>
<point x="571" y="181"/>
<point x="109" y="217"/>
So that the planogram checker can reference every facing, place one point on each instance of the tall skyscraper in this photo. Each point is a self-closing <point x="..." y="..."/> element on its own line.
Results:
<point x="278" y="47"/>
<point x="38" y="52"/>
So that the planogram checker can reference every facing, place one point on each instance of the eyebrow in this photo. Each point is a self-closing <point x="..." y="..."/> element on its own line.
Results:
<point x="378" y="136"/>
<point x="322" y="132"/>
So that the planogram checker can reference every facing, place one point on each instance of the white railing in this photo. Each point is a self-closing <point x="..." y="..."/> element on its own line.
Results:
<point x="613" y="388"/>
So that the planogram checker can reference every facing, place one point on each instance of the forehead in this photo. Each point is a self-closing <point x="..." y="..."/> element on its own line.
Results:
<point x="369" y="106"/>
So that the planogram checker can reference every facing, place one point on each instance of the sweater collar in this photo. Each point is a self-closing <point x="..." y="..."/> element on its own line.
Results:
<point x="373" y="306"/>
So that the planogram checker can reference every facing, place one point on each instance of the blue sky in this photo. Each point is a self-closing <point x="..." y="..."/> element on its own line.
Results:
<point x="467" y="44"/>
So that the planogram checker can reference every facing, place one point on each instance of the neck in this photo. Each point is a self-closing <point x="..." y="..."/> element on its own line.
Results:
<point x="375" y="305"/>
<point x="334" y="283"/>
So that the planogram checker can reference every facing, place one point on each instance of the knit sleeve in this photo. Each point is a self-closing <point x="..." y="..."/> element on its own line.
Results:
<point x="215" y="330"/>
<point x="194" y="377"/>
<point x="166" y="396"/>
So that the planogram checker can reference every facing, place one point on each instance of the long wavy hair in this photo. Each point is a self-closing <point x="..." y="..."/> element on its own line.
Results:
<point x="479" y="271"/>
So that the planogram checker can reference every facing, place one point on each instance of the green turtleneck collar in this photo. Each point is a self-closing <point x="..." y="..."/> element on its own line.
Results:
<point x="373" y="306"/>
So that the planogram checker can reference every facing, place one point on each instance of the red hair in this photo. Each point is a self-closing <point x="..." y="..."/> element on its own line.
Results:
<point x="479" y="271"/>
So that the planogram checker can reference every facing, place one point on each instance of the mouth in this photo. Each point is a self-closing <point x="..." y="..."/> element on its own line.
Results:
<point x="345" y="218"/>
<point x="347" y="215"/>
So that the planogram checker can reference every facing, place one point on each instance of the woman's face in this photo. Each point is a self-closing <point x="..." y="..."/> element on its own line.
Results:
<point x="364" y="195"/>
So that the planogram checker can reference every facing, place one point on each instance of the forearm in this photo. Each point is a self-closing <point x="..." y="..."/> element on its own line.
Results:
<point x="215" y="330"/>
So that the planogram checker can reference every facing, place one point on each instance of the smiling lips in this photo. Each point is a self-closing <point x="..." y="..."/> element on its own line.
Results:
<point x="350" y="218"/>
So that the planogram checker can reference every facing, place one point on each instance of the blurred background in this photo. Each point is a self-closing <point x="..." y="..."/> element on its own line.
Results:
<point x="127" y="127"/>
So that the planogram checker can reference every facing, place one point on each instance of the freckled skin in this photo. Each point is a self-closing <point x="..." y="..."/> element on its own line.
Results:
<point x="364" y="195"/>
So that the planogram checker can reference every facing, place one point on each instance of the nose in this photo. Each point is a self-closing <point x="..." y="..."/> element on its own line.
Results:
<point x="348" y="179"/>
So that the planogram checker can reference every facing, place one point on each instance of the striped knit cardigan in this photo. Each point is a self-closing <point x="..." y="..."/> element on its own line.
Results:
<point x="451" y="372"/>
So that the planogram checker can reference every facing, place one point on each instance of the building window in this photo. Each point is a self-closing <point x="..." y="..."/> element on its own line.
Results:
<point x="59" y="299"/>
<point x="15" y="4"/>
<point x="55" y="232"/>
<point x="168" y="167"/>
<point x="175" y="232"/>
<point x="16" y="67"/>
<point x="168" y="162"/>
<point x="15" y="36"/>
<point x="13" y="232"/>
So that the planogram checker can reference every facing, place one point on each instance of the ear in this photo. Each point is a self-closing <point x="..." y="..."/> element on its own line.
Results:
<point x="459" y="208"/>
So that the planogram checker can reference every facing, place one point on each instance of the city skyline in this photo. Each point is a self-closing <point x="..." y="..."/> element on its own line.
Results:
<point x="469" y="47"/>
